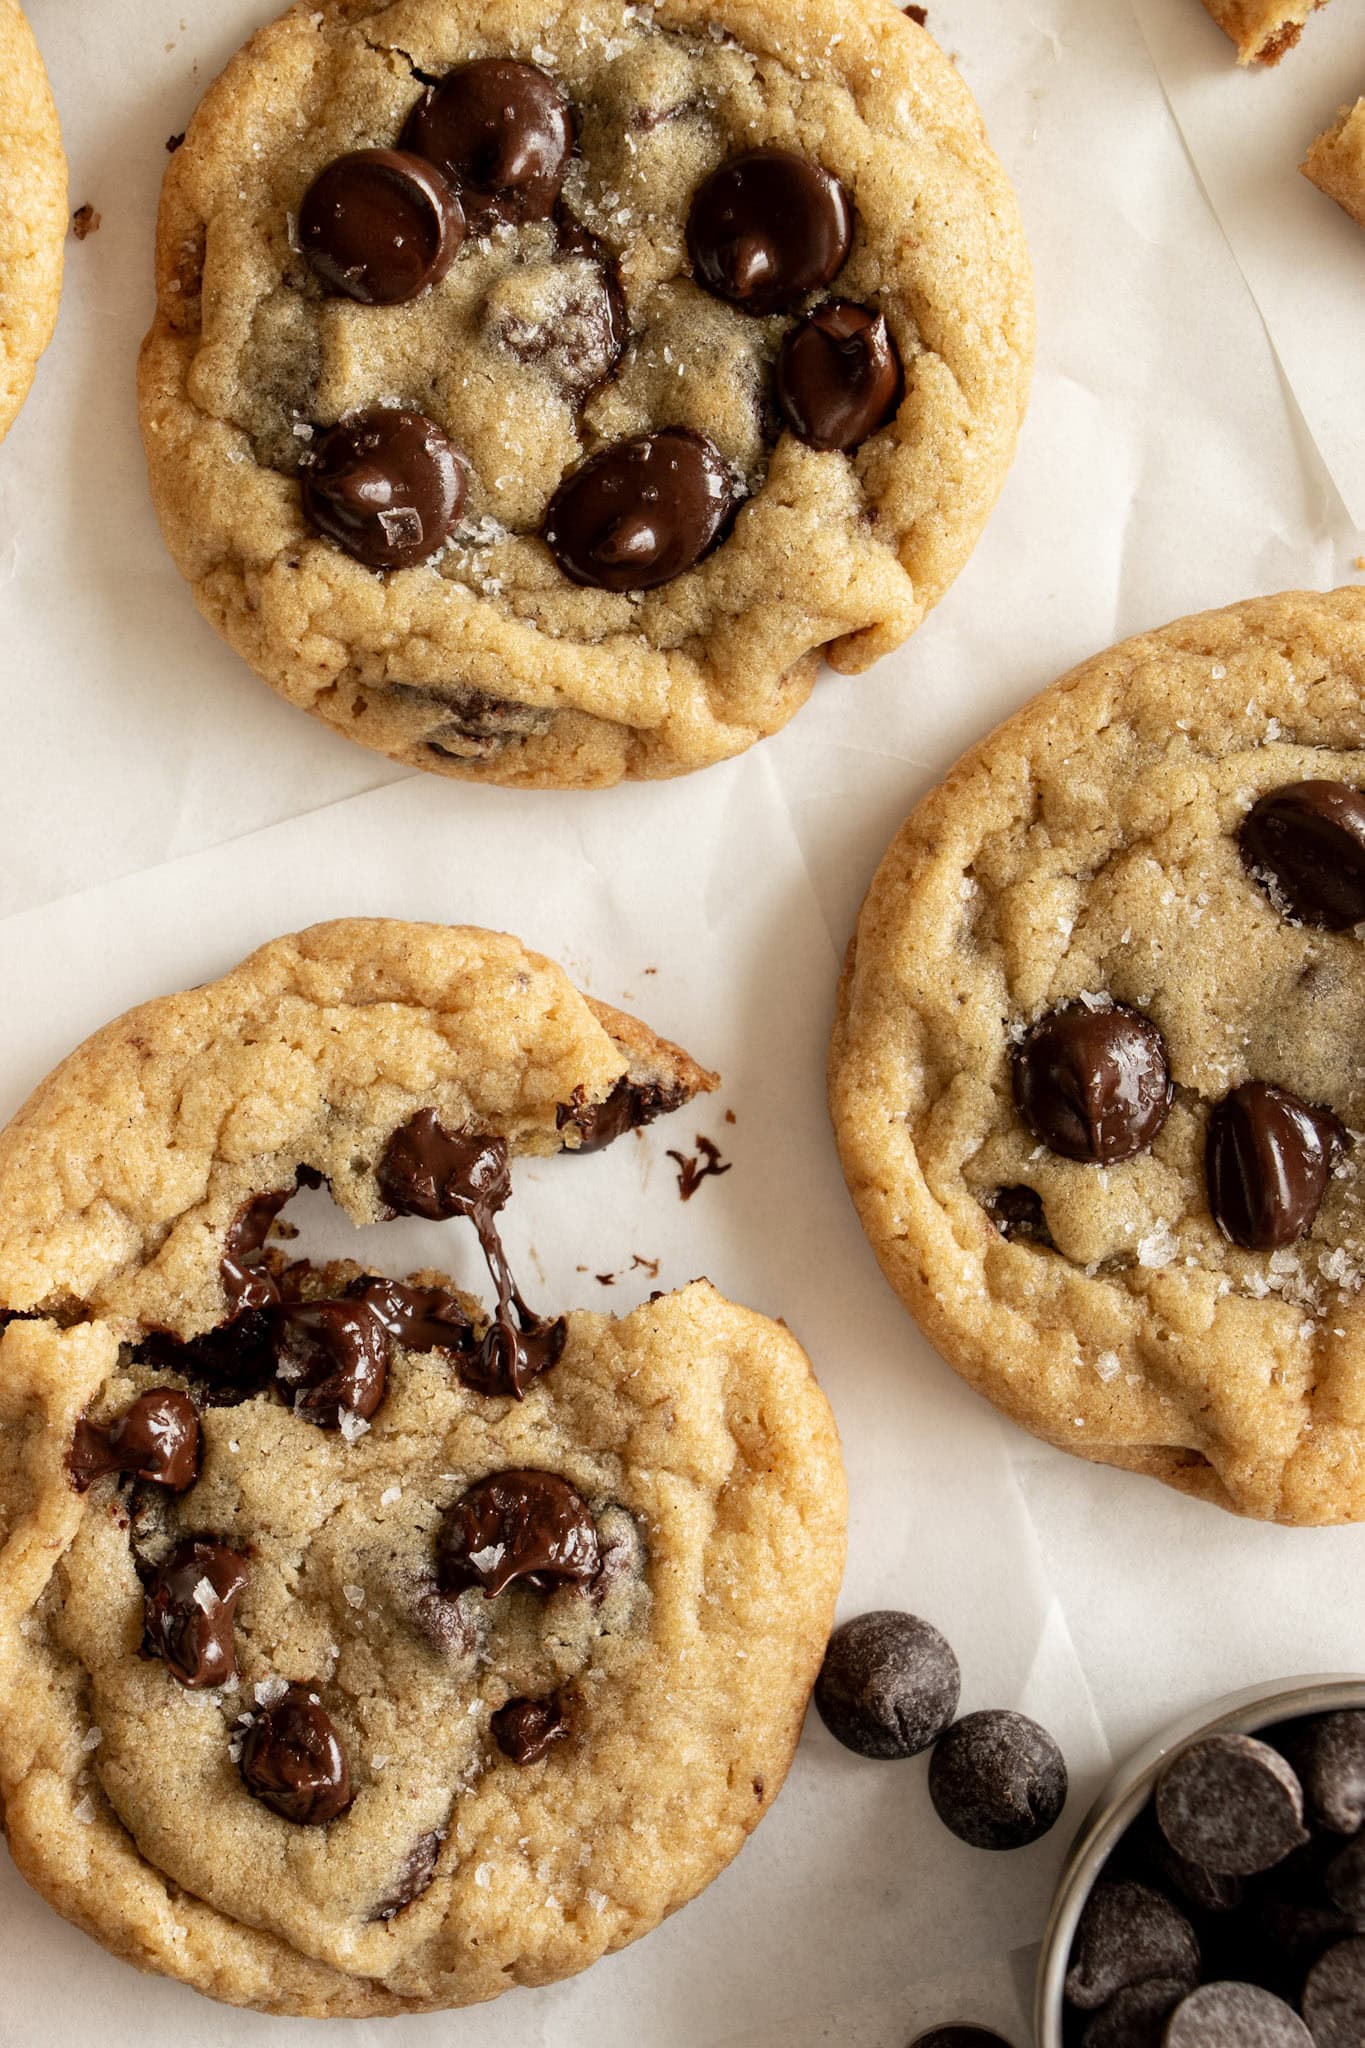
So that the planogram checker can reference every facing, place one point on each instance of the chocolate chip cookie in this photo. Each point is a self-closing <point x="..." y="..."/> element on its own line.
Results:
<point x="537" y="391"/>
<point x="1263" y="30"/>
<point x="1097" y="1075"/>
<point x="366" y="1646"/>
<point x="32" y="210"/>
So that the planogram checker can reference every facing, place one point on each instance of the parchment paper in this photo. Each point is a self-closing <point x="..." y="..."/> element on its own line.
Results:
<point x="1165" y="467"/>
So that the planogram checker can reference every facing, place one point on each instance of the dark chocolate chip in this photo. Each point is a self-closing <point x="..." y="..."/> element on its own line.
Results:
<point x="429" y="1171"/>
<point x="517" y="1525"/>
<point x="380" y="225"/>
<point x="767" y="228"/>
<point x="1334" y="1997"/>
<point x="387" y="486"/>
<point x="1093" y="1084"/>
<point x="1198" y="1890"/>
<point x="189" y="1607"/>
<point x="293" y="1762"/>
<point x="156" y="1439"/>
<point x="1128" y="1934"/>
<point x="509" y="1356"/>
<point x="419" y="1318"/>
<point x="1267" y="1159"/>
<point x="1136" y="2017"/>
<point x="1328" y="1752"/>
<point x="629" y="1107"/>
<point x="889" y="1685"/>
<point x="1344" y="1882"/>
<point x="414" y="1876"/>
<point x="527" y="1730"/>
<point x="333" y="1358"/>
<point x="1018" y="1215"/>
<point x="997" y="1780"/>
<point x="248" y="1284"/>
<point x="1307" y="841"/>
<point x="1235" y="2016"/>
<point x="839" y="376"/>
<point x="1232" y="1804"/>
<point x="641" y="513"/>
<point x="503" y="135"/>
<point x="959" y="2037"/>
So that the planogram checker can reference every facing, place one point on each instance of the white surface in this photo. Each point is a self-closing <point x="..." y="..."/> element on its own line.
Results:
<point x="1165" y="467"/>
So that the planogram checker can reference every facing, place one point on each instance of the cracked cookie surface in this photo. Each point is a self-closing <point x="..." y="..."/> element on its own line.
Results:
<point x="32" y="210"/>
<point x="1096" y="1075"/>
<point x="549" y="340"/>
<point x="343" y="1672"/>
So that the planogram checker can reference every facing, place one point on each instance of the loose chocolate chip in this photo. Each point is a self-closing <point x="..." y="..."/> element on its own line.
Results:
<point x="889" y="1685"/>
<point x="429" y="1171"/>
<point x="1136" y="2018"/>
<point x="767" y="228"/>
<point x="1267" y="1160"/>
<point x="380" y="225"/>
<point x="503" y="135"/>
<point x="387" y="486"/>
<point x="1128" y="1934"/>
<point x="629" y="1107"/>
<point x="1018" y="1215"/>
<point x="1236" y="2016"/>
<point x="641" y="513"/>
<point x="157" y="1439"/>
<point x="1328" y="1753"/>
<point x="1232" y="1804"/>
<point x="517" y="1525"/>
<point x="1334" y="1997"/>
<point x="1307" y="841"/>
<point x="293" y="1762"/>
<point x="839" y="377"/>
<point x="247" y="1283"/>
<point x="414" y="1876"/>
<point x="526" y="1730"/>
<point x="997" y="1780"/>
<point x="419" y="1318"/>
<point x="1344" y="1881"/>
<point x="1093" y="1084"/>
<point x="333" y="1357"/>
<point x="959" y="2037"/>
<point x="189" y="1607"/>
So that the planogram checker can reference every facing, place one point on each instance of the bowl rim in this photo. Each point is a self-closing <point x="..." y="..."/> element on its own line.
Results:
<point x="1127" y="1792"/>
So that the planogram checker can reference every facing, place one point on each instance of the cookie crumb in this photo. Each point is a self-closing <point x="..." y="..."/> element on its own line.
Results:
<point x="173" y="142"/>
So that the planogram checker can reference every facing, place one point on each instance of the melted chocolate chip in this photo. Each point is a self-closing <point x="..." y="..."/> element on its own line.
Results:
<point x="414" y="1876"/>
<point x="419" y="1318"/>
<point x="889" y="1685"/>
<point x="1018" y="1215"/>
<point x="641" y="513"/>
<point x="189" y="1608"/>
<point x="517" y="1525"/>
<point x="157" y="1439"/>
<point x="293" y="1762"/>
<point x="1334" y="1997"/>
<point x="839" y="377"/>
<point x="629" y="1107"/>
<point x="1127" y="1934"/>
<point x="1236" y="2016"/>
<point x="247" y="1283"/>
<point x="381" y="226"/>
<point x="1091" y="1084"/>
<point x="1232" y="1804"/>
<point x="228" y="1365"/>
<point x="1308" y="842"/>
<point x="333" y="1357"/>
<point x="387" y="486"/>
<point x="503" y="135"/>
<point x="1329" y="1755"/>
<point x="1267" y="1160"/>
<point x="430" y="1171"/>
<point x="527" y="1730"/>
<point x="997" y="1780"/>
<point x="767" y="228"/>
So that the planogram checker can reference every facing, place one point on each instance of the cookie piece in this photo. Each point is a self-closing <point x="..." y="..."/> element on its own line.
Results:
<point x="32" y="210"/>
<point x="714" y="413"/>
<point x="1090" y="853"/>
<point x="429" y="1681"/>
<point x="1263" y="30"/>
<point x="1336" y="161"/>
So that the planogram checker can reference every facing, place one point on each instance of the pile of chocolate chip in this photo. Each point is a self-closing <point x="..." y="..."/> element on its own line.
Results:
<point x="489" y="147"/>
<point x="1232" y="1914"/>
<point x="1092" y="1080"/>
